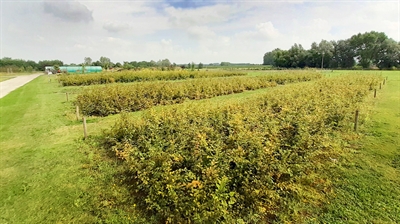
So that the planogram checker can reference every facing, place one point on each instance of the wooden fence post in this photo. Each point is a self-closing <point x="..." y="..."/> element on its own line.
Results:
<point x="66" y="94"/>
<point x="77" y="112"/>
<point x="84" y="128"/>
<point x="356" y="121"/>
<point x="375" y="93"/>
<point x="384" y="81"/>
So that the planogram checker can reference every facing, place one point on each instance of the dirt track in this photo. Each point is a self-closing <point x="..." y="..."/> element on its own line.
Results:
<point x="12" y="84"/>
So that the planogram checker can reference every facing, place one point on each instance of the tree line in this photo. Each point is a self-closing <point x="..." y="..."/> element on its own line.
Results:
<point x="367" y="50"/>
<point x="20" y="65"/>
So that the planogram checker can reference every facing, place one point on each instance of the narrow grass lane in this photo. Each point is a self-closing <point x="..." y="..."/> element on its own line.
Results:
<point x="41" y="175"/>
<point x="368" y="186"/>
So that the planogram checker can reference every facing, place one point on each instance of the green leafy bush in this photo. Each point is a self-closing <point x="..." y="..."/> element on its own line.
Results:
<point x="140" y="76"/>
<point x="243" y="163"/>
<point x="112" y="99"/>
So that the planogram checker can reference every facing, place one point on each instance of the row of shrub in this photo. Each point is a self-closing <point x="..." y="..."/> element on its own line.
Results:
<point x="113" y="99"/>
<point x="251" y="162"/>
<point x="139" y="76"/>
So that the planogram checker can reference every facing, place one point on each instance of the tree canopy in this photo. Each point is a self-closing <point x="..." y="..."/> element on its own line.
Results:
<point x="26" y="65"/>
<point x="367" y="50"/>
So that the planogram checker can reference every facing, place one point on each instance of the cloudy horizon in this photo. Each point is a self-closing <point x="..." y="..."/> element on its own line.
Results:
<point x="182" y="31"/>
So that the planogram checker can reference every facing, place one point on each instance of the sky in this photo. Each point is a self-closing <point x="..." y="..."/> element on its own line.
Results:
<point x="183" y="31"/>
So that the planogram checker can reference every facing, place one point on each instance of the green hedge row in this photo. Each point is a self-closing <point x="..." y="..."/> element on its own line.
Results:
<point x="140" y="76"/>
<point x="112" y="99"/>
<point x="252" y="162"/>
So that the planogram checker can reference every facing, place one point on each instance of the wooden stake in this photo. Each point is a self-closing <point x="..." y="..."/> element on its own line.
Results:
<point x="375" y="93"/>
<point x="356" y="121"/>
<point x="84" y="128"/>
<point x="77" y="112"/>
<point x="384" y="81"/>
<point x="66" y="94"/>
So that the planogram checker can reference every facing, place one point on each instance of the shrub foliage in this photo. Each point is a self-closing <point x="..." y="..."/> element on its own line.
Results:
<point x="241" y="163"/>
<point x="112" y="99"/>
<point x="140" y="76"/>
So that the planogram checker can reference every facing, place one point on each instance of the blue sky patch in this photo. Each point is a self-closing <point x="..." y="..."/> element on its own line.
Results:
<point x="185" y="4"/>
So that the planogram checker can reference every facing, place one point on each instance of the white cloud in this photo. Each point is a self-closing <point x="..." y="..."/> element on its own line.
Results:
<point x="263" y="32"/>
<point x="39" y="38"/>
<point x="166" y="42"/>
<point x="79" y="46"/>
<point x="268" y="31"/>
<point x="69" y="11"/>
<point x="116" y="26"/>
<point x="319" y="25"/>
<point x="208" y="15"/>
<point x="238" y="31"/>
<point x="200" y="32"/>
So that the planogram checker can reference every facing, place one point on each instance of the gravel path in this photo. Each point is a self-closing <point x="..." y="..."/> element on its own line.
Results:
<point x="12" y="84"/>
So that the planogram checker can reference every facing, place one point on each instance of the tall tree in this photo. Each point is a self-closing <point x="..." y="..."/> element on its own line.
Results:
<point x="297" y="56"/>
<point x="326" y="52"/>
<point x="105" y="62"/>
<point x="343" y="54"/>
<point x="320" y="55"/>
<point x="268" y="58"/>
<point x="366" y="47"/>
<point x="96" y="63"/>
<point x="88" y="61"/>
<point x="388" y="55"/>
<point x="281" y="58"/>
<point x="193" y="65"/>
<point x="163" y="63"/>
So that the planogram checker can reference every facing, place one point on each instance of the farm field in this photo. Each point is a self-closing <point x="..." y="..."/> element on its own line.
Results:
<point x="112" y="99"/>
<point x="49" y="174"/>
<point x="140" y="76"/>
<point x="367" y="183"/>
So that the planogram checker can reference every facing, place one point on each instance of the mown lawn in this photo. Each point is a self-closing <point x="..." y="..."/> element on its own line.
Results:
<point x="368" y="182"/>
<point x="41" y="175"/>
<point x="48" y="174"/>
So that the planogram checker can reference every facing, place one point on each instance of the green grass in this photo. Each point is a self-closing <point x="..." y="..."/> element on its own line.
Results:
<point x="48" y="174"/>
<point x="368" y="182"/>
<point x="41" y="176"/>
